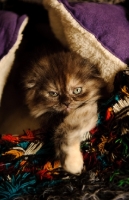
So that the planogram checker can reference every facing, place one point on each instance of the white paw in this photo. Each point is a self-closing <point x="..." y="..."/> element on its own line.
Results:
<point x="74" y="162"/>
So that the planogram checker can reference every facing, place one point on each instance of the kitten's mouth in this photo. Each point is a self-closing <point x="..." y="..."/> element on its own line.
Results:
<point x="67" y="110"/>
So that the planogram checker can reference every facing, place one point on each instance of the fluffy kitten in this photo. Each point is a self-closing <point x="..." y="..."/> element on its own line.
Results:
<point x="63" y="89"/>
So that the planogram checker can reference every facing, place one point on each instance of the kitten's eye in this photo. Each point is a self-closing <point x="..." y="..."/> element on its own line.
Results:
<point x="77" y="90"/>
<point x="53" y="94"/>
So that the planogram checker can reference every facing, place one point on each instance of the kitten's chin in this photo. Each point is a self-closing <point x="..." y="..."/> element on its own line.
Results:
<point x="67" y="111"/>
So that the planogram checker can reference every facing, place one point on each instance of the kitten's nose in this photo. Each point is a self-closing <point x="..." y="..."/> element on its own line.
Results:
<point x="66" y="103"/>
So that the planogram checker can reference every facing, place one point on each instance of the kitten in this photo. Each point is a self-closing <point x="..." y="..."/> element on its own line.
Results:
<point x="63" y="89"/>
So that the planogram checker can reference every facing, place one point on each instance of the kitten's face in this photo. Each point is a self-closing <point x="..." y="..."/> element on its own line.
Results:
<point x="61" y="83"/>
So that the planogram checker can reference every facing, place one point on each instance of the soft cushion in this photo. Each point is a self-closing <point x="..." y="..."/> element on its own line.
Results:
<point x="11" y="27"/>
<point x="99" y="32"/>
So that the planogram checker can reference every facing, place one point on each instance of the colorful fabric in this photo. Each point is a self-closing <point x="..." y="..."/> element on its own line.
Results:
<point x="29" y="170"/>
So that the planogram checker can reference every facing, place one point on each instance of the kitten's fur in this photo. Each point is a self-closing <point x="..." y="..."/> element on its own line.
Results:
<point x="64" y="90"/>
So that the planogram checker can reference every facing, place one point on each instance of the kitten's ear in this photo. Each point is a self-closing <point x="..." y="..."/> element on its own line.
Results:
<point x="30" y="84"/>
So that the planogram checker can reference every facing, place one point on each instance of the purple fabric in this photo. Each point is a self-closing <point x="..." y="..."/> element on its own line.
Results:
<point x="9" y="26"/>
<point x="108" y="23"/>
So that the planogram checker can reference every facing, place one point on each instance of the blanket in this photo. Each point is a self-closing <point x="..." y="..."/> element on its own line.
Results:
<point x="11" y="28"/>
<point x="98" y="32"/>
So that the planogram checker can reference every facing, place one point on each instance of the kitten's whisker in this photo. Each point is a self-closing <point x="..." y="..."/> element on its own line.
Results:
<point x="88" y="101"/>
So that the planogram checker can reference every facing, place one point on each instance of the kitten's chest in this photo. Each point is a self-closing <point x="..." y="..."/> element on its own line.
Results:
<point x="82" y="119"/>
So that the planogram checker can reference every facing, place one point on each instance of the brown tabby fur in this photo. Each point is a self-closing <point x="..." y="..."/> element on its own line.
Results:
<point x="67" y="114"/>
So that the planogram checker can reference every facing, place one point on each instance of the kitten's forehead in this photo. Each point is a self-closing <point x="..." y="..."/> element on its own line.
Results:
<point x="73" y="82"/>
<point x="53" y="87"/>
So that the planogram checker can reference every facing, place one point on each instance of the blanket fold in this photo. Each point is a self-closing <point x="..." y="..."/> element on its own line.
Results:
<point x="11" y="28"/>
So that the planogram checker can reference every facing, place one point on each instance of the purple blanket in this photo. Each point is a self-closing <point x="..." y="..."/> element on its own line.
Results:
<point x="11" y="27"/>
<point x="108" y="23"/>
<point x="98" y="32"/>
<point x="10" y="24"/>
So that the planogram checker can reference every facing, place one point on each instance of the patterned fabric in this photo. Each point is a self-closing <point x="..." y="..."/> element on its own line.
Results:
<point x="29" y="170"/>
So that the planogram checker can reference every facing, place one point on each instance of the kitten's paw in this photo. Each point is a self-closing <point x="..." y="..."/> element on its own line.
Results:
<point x="74" y="163"/>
